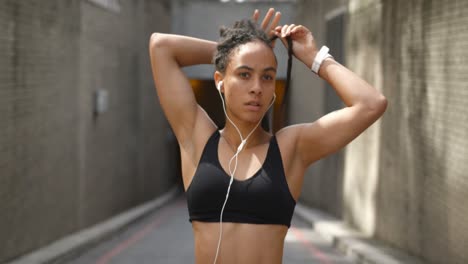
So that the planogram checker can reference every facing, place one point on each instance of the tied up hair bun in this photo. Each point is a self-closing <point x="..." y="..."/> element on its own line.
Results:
<point x="245" y="31"/>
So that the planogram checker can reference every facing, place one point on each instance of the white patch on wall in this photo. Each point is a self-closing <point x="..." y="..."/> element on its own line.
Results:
<point x="110" y="5"/>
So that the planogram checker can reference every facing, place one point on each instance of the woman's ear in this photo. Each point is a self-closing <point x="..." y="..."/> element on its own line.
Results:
<point x="218" y="77"/>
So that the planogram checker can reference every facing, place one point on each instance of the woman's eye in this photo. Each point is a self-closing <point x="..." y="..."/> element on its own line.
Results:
<point x="268" y="77"/>
<point x="244" y="74"/>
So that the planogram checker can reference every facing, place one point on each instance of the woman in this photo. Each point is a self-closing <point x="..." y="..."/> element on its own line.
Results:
<point x="242" y="176"/>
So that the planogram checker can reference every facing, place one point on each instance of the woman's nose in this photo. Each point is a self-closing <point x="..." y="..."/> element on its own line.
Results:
<point x="256" y="87"/>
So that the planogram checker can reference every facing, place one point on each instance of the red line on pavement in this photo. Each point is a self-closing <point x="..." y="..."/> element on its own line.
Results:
<point x="323" y="259"/>
<point x="104" y="259"/>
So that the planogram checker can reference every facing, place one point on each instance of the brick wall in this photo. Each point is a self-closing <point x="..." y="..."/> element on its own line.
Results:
<point x="62" y="168"/>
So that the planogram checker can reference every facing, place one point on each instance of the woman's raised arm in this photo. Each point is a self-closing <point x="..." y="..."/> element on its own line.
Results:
<point x="364" y="103"/>
<point x="169" y="53"/>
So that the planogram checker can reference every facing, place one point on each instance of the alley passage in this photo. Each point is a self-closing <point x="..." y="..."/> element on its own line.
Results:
<point x="165" y="236"/>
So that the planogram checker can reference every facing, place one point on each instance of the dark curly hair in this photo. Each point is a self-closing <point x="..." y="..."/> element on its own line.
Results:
<point x="242" y="32"/>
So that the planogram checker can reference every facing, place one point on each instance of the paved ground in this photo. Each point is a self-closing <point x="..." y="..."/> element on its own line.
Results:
<point x="165" y="236"/>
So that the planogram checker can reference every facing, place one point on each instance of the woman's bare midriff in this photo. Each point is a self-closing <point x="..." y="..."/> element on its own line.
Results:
<point x="241" y="243"/>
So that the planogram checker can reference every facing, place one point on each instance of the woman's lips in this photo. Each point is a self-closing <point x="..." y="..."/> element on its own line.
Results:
<point x="253" y="106"/>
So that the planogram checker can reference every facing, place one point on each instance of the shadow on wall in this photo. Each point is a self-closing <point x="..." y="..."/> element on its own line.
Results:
<point x="413" y="191"/>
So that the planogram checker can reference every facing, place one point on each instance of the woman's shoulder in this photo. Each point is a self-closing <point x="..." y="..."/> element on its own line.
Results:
<point x="287" y="138"/>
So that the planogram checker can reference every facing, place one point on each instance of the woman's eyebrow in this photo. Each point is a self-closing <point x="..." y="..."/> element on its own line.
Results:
<point x="251" y="69"/>
<point x="245" y="67"/>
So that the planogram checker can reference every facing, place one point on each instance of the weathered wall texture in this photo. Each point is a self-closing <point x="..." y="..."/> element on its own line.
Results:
<point x="423" y="180"/>
<point x="38" y="110"/>
<point x="361" y="173"/>
<point x="404" y="179"/>
<point x="61" y="167"/>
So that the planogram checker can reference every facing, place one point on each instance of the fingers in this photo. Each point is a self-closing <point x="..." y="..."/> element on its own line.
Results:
<point x="277" y="31"/>
<point x="286" y="30"/>
<point x="273" y="28"/>
<point x="267" y="18"/>
<point x="290" y="28"/>
<point x="256" y="15"/>
<point x="299" y="30"/>
<point x="270" y="16"/>
<point x="275" y="21"/>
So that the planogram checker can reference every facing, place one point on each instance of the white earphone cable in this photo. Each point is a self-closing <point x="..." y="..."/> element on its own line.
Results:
<point x="232" y="172"/>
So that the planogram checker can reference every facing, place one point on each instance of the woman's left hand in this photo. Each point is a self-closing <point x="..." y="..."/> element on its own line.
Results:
<point x="304" y="46"/>
<point x="269" y="23"/>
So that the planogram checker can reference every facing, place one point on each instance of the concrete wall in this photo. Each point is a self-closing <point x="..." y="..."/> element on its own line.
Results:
<point x="38" y="109"/>
<point x="62" y="168"/>
<point x="364" y="48"/>
<point x="423" y="179"/>
<point x="404" y="180"/>
<point x="413" y="163"/>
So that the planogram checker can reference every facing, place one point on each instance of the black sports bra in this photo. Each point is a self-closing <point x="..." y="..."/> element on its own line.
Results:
<point x="263" y="198"/>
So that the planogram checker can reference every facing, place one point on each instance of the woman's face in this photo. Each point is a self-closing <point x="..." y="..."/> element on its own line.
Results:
<point x="249" y="81"/>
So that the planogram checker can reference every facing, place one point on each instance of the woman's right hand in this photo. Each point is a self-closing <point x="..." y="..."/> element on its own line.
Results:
<point x="304" y="46"/>
<point x="266" y="26"/>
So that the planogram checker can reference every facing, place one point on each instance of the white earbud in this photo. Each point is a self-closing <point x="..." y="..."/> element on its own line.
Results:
<point x="220" y="83"/>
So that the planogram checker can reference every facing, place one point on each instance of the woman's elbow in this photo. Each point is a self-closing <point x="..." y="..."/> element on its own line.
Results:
<point x="379" y="104"/>
<point x="157" y="40"/>
<point x="383" y="102"/>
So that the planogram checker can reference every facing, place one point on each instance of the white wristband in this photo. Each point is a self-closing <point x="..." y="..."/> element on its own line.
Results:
<point x="319" y="58"/>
